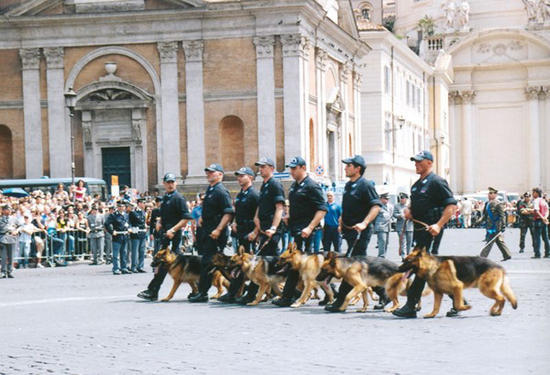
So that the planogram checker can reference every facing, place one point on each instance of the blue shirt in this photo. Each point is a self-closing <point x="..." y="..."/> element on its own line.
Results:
<point x="196" y="213"/>
<point x="333" y="214"/>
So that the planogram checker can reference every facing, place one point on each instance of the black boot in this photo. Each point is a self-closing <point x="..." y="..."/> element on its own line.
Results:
<point x="454" y="312"/>
<point x="249" y="296"/>
<point x="199" y="297"/>
<point x="326" y="299"/>
<point x="227" y="298"/>
<point x="406" y="311"/>
<point x="383" y="299"/>
<point x="148" y="295"/>
<point x="345" y="288"/>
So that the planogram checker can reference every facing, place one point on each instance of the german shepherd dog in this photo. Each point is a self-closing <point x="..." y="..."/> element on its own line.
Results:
<point x="363" y="272"/>
<point x="451" y="274"/>
<point x="309" y="267"/>
<point x="186" y="269"/>
<point x="262" y="271"/>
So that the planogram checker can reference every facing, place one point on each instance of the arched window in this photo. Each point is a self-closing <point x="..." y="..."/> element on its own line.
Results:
<point x="366" y="11"/>
<point x="6" y="152"/>
<point x="231" y="136"/>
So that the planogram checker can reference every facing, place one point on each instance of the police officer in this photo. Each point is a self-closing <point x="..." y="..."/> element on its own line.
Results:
<point x="117" y="226"/>
<point x="403" y="225"/>
<point x="267" y="219"/>
<point x="109" y="210"/>
<point x="306" y="210"/>
<point x="138" y="235"/>
<point x="246" y="204"/>
<point x="432" y="202"/>
<point x="360" y="206"/>
<point x="217" y="212"/>
<point x="174" y="214"/>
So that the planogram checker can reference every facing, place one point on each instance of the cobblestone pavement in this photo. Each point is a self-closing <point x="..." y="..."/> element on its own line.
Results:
<point x="84" y="320"/>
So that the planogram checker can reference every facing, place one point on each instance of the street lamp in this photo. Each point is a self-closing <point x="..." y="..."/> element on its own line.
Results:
<point x="70" y="102"/>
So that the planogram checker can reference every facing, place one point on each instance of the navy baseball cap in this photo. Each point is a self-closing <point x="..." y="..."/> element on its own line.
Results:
<point x="244" y="170"/>
<point x="357" y="160"/>
<point x="265" y="161"/>
<point x="423" y="155"/>
<point x="169" y="177"/>
<point x="296" y="161"/>
<point x="214" y="168"/>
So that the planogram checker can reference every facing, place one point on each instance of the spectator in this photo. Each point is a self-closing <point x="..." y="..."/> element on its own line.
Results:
<point x="540" y="216"/>
<point x="466" y="211"/>
<point x="80" y="191"/>
<point x="382" y="225"/>
<point x="331" y="230"/>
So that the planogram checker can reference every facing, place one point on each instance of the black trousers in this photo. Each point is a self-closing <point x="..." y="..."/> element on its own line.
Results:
<point x="331" y="236"/>
<point x="160" y="274"/>
<point x="357" y="247"/>
<point x="421" y="239"/>
<point x="269" y="247"/>
<point x="209" y="247"/>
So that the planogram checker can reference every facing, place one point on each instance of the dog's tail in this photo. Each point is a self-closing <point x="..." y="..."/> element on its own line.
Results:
<point x="508" y="293"/>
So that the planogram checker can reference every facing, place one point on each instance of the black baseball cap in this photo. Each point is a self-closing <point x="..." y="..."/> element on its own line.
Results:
<point x="214" y="167"/>
<point x="244" y="170"/>
<point x="296" y="161"/>
<point x="423" y="155"/>
<point x="169" y="177"/>
<point x="357" y="160"/>
<point x="265" y="161"/>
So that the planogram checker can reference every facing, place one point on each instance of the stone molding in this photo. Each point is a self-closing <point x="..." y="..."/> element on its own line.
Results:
<point x="30" y="58"/>
<point x="264" y="46"/>
<point x="54" y="57"/>
<point x="537" y="92"/>
<point x="168" y="52"/>
<point x="454" y="97"/>
<point x="295" y="45"/>
<point x="193" y="50"/>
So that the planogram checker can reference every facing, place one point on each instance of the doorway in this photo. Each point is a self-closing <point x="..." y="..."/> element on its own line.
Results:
<point x="116" y="161"/>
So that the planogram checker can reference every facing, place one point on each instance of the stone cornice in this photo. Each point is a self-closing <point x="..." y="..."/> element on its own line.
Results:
<point x="193" y="50"/>
<point x="54" y="57"/>
<point x="30" y="58"/>
<point x="168" y="52"/>
<point x="264" y="46"/>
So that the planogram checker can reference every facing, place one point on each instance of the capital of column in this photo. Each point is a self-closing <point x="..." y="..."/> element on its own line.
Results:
<point x="532" y="92"/>
<point x="545" y="92"/>
<point x="356" y="80"/>
<point x="345" y="71"/>
<point x="454" y="97"/>
<point x="168" y="52"/>
<point x="193" y="50"/>
<point x="54" y="57"/>
<point x="264" y="46"/>
<point x="30" y="58"/>
<point x="467" y="96"/>
<point x="295" y="45"/>
<point x="321" y="57"/>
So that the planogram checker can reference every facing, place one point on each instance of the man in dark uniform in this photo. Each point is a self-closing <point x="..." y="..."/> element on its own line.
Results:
<point x="138" y="235"/>
<point x="246" y="204"/>
<point x="307" y="209"/>
<point x="432" y="202"/>
<point x="360" y="206"/>
<point x="217" y="212"/>
<point x="117" y="226"/>
<point x="267" y="219"/>
<point x="174" y="214"/>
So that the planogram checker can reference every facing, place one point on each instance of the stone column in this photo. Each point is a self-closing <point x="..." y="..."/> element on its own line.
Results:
<point x="59" y="121"/>
<point x="140" y="146"/>
<point x="30" y="59"/>
<point x="545" y="159"/>
<point x="468" y="140"/>
<point x="294" y="92"/>
<point x="170" y="158"/>
<point x="345" y="72"/>
<point x="454" y="99"/>
<point x="87" y="138"/>
<point x="321" y="68"/>
<point x="357" y="113"/>
<point x="196" y="157"/>
<point x="532" y="93"/>
<point x="265" y="81"/>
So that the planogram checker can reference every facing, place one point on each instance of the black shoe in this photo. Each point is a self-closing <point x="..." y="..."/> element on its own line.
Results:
<point x="521" y="251"/>
<point x="405" y="312"/>
<point x="200" y="297"/>
<point x="546" y="255"/>
<point x="147" y="295"/>
<point x="126" y="272"/>
<point x="334" y="308"/>
<point x="227" y="298"/>
<point x="535" y="257"/>
<point x="243" y="300"/>
<point x="191" y="295"/>
<point x="283" y="302"/>
<point x="381" y="304"/>
<point x="10" y="276"/>
<point x="452" y="312"/>
<point x="506" y="258"/>
<point x="324" y="301"/>
<point x="141" y="270"/>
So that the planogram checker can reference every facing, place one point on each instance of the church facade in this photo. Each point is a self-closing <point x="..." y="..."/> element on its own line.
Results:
<point x="176" y="85"/>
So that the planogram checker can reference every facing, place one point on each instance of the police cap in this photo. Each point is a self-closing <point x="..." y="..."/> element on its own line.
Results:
<point x="214" y="167"/>
<point x="296" y="161"/>
<point x="243" y="171"/>
<point x="423" y="155"/>
<point x="357" y="160"/>
<point x="169" y="177"/>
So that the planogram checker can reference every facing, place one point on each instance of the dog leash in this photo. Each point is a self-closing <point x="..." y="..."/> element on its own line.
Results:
<point x="490" y="242"/>
<point x="264" y="244"/>
<point x="401" y="235"/>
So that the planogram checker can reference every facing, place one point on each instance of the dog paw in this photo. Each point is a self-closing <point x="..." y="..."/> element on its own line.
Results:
<point x="254" y="303"/>
<point x="165" y="300"/>
<point x="429" y="316"/>
<point x="296" y="305"/>
<point x="363" y="310"/>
